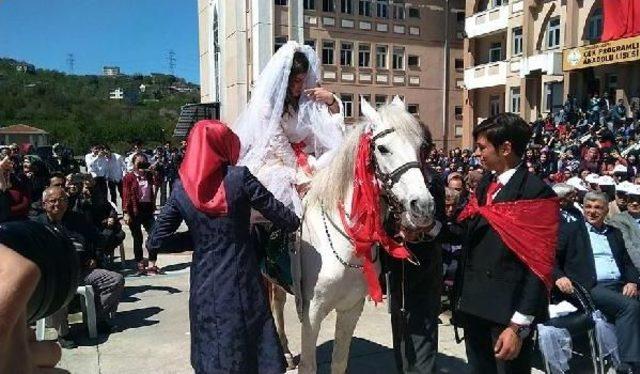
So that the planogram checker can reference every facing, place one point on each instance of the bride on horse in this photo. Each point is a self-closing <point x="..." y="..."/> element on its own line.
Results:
<point x="290" y="129"/>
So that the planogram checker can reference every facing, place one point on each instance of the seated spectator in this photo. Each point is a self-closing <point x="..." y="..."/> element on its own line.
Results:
<point x="628" y="222"/>
<point x="593" y="254"/>
<point x="102" y="215"/>
<point x="569" y="208"/>
<point x="107" y="285"/>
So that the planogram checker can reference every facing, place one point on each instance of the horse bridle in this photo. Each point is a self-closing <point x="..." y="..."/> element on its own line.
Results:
<point x="388" y="180"/>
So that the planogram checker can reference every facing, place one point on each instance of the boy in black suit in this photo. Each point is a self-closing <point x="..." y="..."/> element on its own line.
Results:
<point x="502" y="291"/>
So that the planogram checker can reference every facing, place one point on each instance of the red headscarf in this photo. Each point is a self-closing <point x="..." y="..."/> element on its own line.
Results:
<point x="210" y="147"/>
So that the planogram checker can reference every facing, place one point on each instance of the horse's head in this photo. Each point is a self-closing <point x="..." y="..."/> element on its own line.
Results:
<point x="398" y="140"/>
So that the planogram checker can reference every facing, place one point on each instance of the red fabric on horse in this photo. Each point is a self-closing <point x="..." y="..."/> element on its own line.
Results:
<point x="210" y="147"/>
<point x="621" y="19"/>
<point x="365" y="225"/>
<point x="528" y="227"/>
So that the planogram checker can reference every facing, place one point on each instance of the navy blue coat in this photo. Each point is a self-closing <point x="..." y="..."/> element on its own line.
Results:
<point x="232" y="330"/>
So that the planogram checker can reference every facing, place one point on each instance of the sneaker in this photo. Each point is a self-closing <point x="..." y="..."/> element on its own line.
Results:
<point x="66" y="342"/>
<point x="153" y="270"/>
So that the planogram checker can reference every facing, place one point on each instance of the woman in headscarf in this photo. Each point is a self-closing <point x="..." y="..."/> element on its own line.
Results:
<point x="232" y="330"/>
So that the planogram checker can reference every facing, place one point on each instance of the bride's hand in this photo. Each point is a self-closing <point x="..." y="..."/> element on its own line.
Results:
<point x="321" y="94"/>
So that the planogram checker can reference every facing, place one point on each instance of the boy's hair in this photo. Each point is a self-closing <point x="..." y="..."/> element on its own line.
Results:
<point x="505" y="127"/>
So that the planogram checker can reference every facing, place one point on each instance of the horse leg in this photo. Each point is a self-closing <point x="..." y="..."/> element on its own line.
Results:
<point x="278" y="299"/>
<point x="346" y="321"/>
<point x="311" y="320"/>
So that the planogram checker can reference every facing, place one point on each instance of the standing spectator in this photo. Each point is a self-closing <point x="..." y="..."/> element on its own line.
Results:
<point x="175" y="159"/>
<point x="159" y="167"/>
<point x="115" y="173"/>
<point x="138" y="207"/>
<point x="136" y="148"/>
<point x="98" y="165"/>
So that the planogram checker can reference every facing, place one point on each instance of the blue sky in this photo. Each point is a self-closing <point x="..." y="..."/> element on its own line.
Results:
<point x="136" y="35"/>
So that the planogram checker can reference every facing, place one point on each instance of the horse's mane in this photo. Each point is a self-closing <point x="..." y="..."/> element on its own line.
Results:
<point x="331" y="184"/>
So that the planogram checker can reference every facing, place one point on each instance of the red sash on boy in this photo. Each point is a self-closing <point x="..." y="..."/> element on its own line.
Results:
<point x="529" y="228"/>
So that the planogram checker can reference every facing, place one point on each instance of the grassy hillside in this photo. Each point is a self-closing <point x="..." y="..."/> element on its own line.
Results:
<point x="77" y="110"/>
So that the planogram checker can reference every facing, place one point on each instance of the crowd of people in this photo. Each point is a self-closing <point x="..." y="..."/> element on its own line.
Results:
<point x="88" y="207"/>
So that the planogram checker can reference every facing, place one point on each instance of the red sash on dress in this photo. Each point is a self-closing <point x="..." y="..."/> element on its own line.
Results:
<point x="302" y="158"/>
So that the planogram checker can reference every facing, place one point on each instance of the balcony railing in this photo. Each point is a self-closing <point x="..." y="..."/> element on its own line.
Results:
<point x="549" y="63"/>
<point x="487" y="75"/>
<point x="487" y="22"/>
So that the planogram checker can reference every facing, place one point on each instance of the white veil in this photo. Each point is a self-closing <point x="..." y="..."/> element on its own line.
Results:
<point x="259" y="121"/>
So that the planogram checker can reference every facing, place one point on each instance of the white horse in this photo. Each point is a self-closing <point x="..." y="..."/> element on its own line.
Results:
<point x="331" y="274"/>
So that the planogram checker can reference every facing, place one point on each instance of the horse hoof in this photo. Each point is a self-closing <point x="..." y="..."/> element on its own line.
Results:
<point x="291" y="362"/>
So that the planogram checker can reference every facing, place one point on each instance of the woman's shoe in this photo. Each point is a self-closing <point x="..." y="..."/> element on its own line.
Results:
<point x="153" y="270"/>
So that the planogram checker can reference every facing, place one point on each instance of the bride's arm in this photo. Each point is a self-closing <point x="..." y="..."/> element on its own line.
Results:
<point x="327" y="97"/>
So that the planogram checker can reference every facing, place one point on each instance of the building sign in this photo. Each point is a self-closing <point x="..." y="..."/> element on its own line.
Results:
<point x="613" y="52"/>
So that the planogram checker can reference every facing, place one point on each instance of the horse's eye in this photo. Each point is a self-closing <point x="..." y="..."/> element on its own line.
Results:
<point x="384" y="150"/>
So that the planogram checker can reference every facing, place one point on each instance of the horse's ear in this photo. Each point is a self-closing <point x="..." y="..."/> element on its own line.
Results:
<point x="370" y="113"/>
<point x="397" y="101"/>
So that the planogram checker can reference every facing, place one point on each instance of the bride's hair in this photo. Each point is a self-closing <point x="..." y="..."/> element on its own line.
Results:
<point x="300" y="65"/>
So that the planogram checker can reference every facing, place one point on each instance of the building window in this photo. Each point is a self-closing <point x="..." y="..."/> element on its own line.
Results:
<point x="413" y="109"/>
<point x="328" y="6"/>
<point x="413" y="61"/>
<point x="458" y="112"/>
<point x="517" y="41"/>
<point x="458" y="131"/>
<point x="398" y="58"/>
<point x="381" y="56"/>
<point x="364" y="55"/>
<point x="595" y="25"/>
<point x="382" y="9"/>
<point x="495" y="52"/>
<point x="281" y="2"/>
<point x="459" y="64"/>
<point x="364" y="8"/>
<point x="494" y="105"/>
<point x="310" y="43"/>
<point x="414" y="12"/>
<point x="398" y="11"/>
<point x="552" y="96"/>
<point x="497" y="3"/>
<point x="515" y="99"/>
<point x="309" y="4"/>
<point x="553" y="33"/>
<point x="380" y="100"/>
<point x="346" y="6"/>
<point x="347" y="102"/>
<point x="327" y="52"/>
<point x="346" y="54"/>
<point x="279" y="41"/>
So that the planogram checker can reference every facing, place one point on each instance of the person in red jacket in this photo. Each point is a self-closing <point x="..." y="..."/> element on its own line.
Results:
<point x="138" y="207"/>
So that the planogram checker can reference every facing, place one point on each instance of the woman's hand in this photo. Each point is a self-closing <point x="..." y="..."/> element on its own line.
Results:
<point x="325" y="96"/>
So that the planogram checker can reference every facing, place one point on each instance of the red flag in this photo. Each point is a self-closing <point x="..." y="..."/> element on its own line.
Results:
<point x="621" y="19"/>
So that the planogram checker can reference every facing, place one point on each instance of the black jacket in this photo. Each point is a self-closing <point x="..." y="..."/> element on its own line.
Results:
<point x="495" y="283"/>
<point x="574" y="257"/>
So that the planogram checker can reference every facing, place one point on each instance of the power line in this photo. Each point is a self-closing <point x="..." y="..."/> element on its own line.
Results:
<point x="71" y="61"/>
<point x="172" y="62"/>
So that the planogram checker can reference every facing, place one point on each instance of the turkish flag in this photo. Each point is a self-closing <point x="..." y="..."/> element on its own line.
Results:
<point x="621" y="19"/>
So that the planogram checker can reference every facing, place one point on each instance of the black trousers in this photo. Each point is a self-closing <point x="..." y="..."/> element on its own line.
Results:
<point x="113" y="187"/>
<point x="101" y="187"/>
<point x="480" y="339"/>
<point x="415" y="327"/>
<point x="624" y="312"/>
<point x="143" y="218"/>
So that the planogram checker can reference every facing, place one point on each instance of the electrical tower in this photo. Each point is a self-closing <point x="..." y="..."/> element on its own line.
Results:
<point x="172" y="62"/>
<point x="70" y="62"/>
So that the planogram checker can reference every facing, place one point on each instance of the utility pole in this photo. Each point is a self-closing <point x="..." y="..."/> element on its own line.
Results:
<point x="70" y="62"/>
<point x="172" y="62"/>
<point x="445" y="78"/>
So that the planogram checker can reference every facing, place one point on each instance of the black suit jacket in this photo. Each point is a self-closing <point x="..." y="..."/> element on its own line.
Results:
<point x="495" y="283"/>
<point x="574" y="256"/>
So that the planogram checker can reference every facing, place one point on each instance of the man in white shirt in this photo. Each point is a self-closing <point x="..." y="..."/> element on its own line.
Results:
<point x="98" y="165"/>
